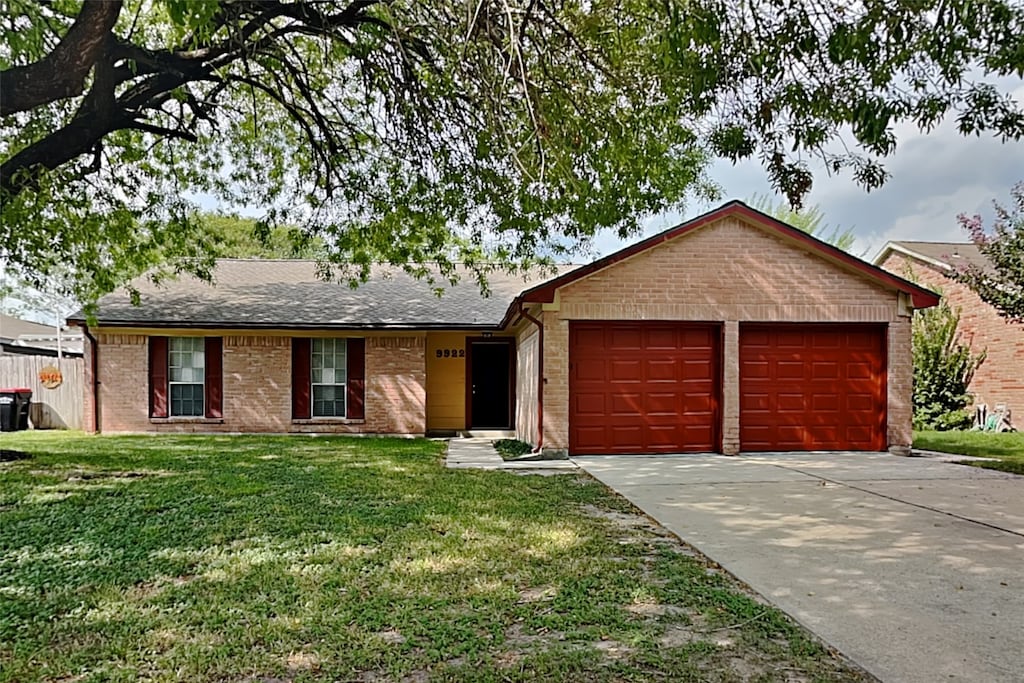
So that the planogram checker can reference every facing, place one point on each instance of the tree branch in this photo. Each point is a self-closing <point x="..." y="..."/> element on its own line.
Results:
<point x="163" y="132"/>
<point x="62" y="73"/>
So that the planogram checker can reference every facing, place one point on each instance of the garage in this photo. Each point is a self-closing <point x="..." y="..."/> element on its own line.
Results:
<point x="644" y="387"/>
<point x="812" y="387"/>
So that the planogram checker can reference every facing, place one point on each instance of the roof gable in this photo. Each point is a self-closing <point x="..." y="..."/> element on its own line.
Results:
<point x="945" y="255"/>
<point x="921" y="297"/>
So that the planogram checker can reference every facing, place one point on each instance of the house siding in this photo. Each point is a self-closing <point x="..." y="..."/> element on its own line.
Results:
<point x="257" y="386"/>
<point x="732" y="272"/>
<point x="1000" y="379"/>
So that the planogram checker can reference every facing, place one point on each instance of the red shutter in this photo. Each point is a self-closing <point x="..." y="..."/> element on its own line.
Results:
<point x="301" y="403"/>
<point x="214" y="380"/>
<point x="158" y="376"/>
<point x="356" y="355"/>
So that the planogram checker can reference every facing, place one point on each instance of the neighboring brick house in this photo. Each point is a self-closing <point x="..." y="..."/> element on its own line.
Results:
<point x="1000" y="379"/>
<point x="731" y="332"/>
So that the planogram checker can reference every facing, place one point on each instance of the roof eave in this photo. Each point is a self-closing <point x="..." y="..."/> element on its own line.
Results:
<point x="900" y="249"/>
<point x="236" y="325"/>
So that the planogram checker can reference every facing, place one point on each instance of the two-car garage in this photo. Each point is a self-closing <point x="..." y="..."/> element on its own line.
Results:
<point x="657" y="387"/>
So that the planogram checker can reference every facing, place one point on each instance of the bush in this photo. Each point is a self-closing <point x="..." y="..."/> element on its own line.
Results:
<point x="512" y="448"/>
<point x="943" y="369"/>
<point x="932" y="417"/>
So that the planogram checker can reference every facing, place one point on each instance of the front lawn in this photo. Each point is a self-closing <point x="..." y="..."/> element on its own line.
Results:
<point x="1007" y="448"/>
<point x="278" y="559"/>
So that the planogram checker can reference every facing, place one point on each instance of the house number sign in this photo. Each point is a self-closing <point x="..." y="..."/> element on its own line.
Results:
<point x="450" y="353"/>
<point x="50" y="377"/>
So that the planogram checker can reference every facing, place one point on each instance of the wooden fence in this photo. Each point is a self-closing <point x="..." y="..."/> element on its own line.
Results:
<point x="60" y="408"/>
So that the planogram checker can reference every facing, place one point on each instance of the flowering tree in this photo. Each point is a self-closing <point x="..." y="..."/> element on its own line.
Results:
<point x="1002" y="285"/>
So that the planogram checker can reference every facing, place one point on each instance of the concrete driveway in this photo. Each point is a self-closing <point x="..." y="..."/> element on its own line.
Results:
<point x="912" y="567"/>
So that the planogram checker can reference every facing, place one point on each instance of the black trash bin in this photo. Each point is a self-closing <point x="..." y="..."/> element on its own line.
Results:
<point x="9" y="410"/>
<point x="23" y="407"/>
<point x="14" y="405"/>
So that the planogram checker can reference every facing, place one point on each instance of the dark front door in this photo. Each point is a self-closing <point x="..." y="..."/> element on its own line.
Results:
<point x="490" y="387"/>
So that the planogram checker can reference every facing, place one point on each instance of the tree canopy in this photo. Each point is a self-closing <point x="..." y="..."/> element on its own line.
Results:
<point x="492" y="131"/>
<point x="239" y="237"/>
<point x="1002" y="285"/>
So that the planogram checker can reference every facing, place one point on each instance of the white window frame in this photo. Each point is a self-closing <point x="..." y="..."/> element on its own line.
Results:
<point x="195" y="345"/>
<point x="338" y="349"/>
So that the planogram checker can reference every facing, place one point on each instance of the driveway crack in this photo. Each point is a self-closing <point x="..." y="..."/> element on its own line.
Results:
<point x="900" y="500"/>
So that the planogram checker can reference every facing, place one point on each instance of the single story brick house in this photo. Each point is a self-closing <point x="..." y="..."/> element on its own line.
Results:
<point x="1000" y="379"/>
<point x="732" y="332"/>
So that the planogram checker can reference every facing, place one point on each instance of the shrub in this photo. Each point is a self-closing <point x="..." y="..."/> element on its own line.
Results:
<point x="943" y="368"/>
<point x="512" y="448"/>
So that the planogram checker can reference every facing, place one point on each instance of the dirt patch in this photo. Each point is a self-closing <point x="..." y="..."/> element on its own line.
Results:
<point x="528" y="595"/>
<point x="517" y="638"/>
<point x="655" y="609"/>
<point x="613" y="649"/>
<point x="624" y="519"/>
<point x="303" y="661"/>
<point x="677" y="636"/>
<point x="391" y="636"/>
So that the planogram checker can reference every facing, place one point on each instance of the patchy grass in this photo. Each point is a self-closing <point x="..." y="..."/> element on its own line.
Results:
<point x="509" y="449"/>
<point x="279" y="559"/>
<point x="1007" y="448"/>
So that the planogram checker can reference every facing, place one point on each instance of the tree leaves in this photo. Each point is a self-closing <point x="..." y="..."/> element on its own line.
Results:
<point x="1002" y="285"/>
<point x="502" y="131"/>
<point x="943" y="369"/>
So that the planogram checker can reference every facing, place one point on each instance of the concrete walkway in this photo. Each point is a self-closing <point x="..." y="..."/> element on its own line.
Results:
<point x="912" y="567"/>
<point x="478" y="453"/>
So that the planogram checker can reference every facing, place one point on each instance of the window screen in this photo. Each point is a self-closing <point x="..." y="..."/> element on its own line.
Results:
<point x="187" y="365"/>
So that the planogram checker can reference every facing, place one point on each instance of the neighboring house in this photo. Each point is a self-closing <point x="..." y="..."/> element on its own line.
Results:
<point x="1000" y="379"/>
<point x="27" y="338"/>
<point x="731" y="332"/>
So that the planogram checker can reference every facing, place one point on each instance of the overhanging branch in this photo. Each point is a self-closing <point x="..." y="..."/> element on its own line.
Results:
<point x="62" y="73"/>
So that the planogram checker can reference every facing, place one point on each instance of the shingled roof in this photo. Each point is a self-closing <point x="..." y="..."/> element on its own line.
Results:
<point x="953" y="255"/>
<point x="258" y="293"/>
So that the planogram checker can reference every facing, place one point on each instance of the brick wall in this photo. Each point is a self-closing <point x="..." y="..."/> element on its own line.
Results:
<point x="1000" y="379"/>
<point x="123" y="372"/>
<point x="733" y="272"/>
<point x="257" y="387"/>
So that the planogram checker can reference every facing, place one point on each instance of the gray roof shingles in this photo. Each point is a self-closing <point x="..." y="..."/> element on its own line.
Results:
<point x="288" y="293"/>
<point x="954" y="254"/>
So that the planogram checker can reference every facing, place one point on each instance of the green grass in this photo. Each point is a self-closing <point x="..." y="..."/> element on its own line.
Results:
<point x="273" y="559"/>
<point x="1007" y="447"/>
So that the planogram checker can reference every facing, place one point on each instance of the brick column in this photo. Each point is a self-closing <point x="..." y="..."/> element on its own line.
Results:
<point x="900" y="387"/>
<point x="89" y="407"/>
<point x="731" y="388"/>
<point x="556" y="383"/>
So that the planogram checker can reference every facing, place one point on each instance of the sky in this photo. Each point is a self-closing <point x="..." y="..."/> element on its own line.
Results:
<point x="933" y="177"/>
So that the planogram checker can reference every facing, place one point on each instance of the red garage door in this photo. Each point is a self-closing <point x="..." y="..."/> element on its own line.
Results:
<point x="812" y="387"/>
<point x="643" y="388"/>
